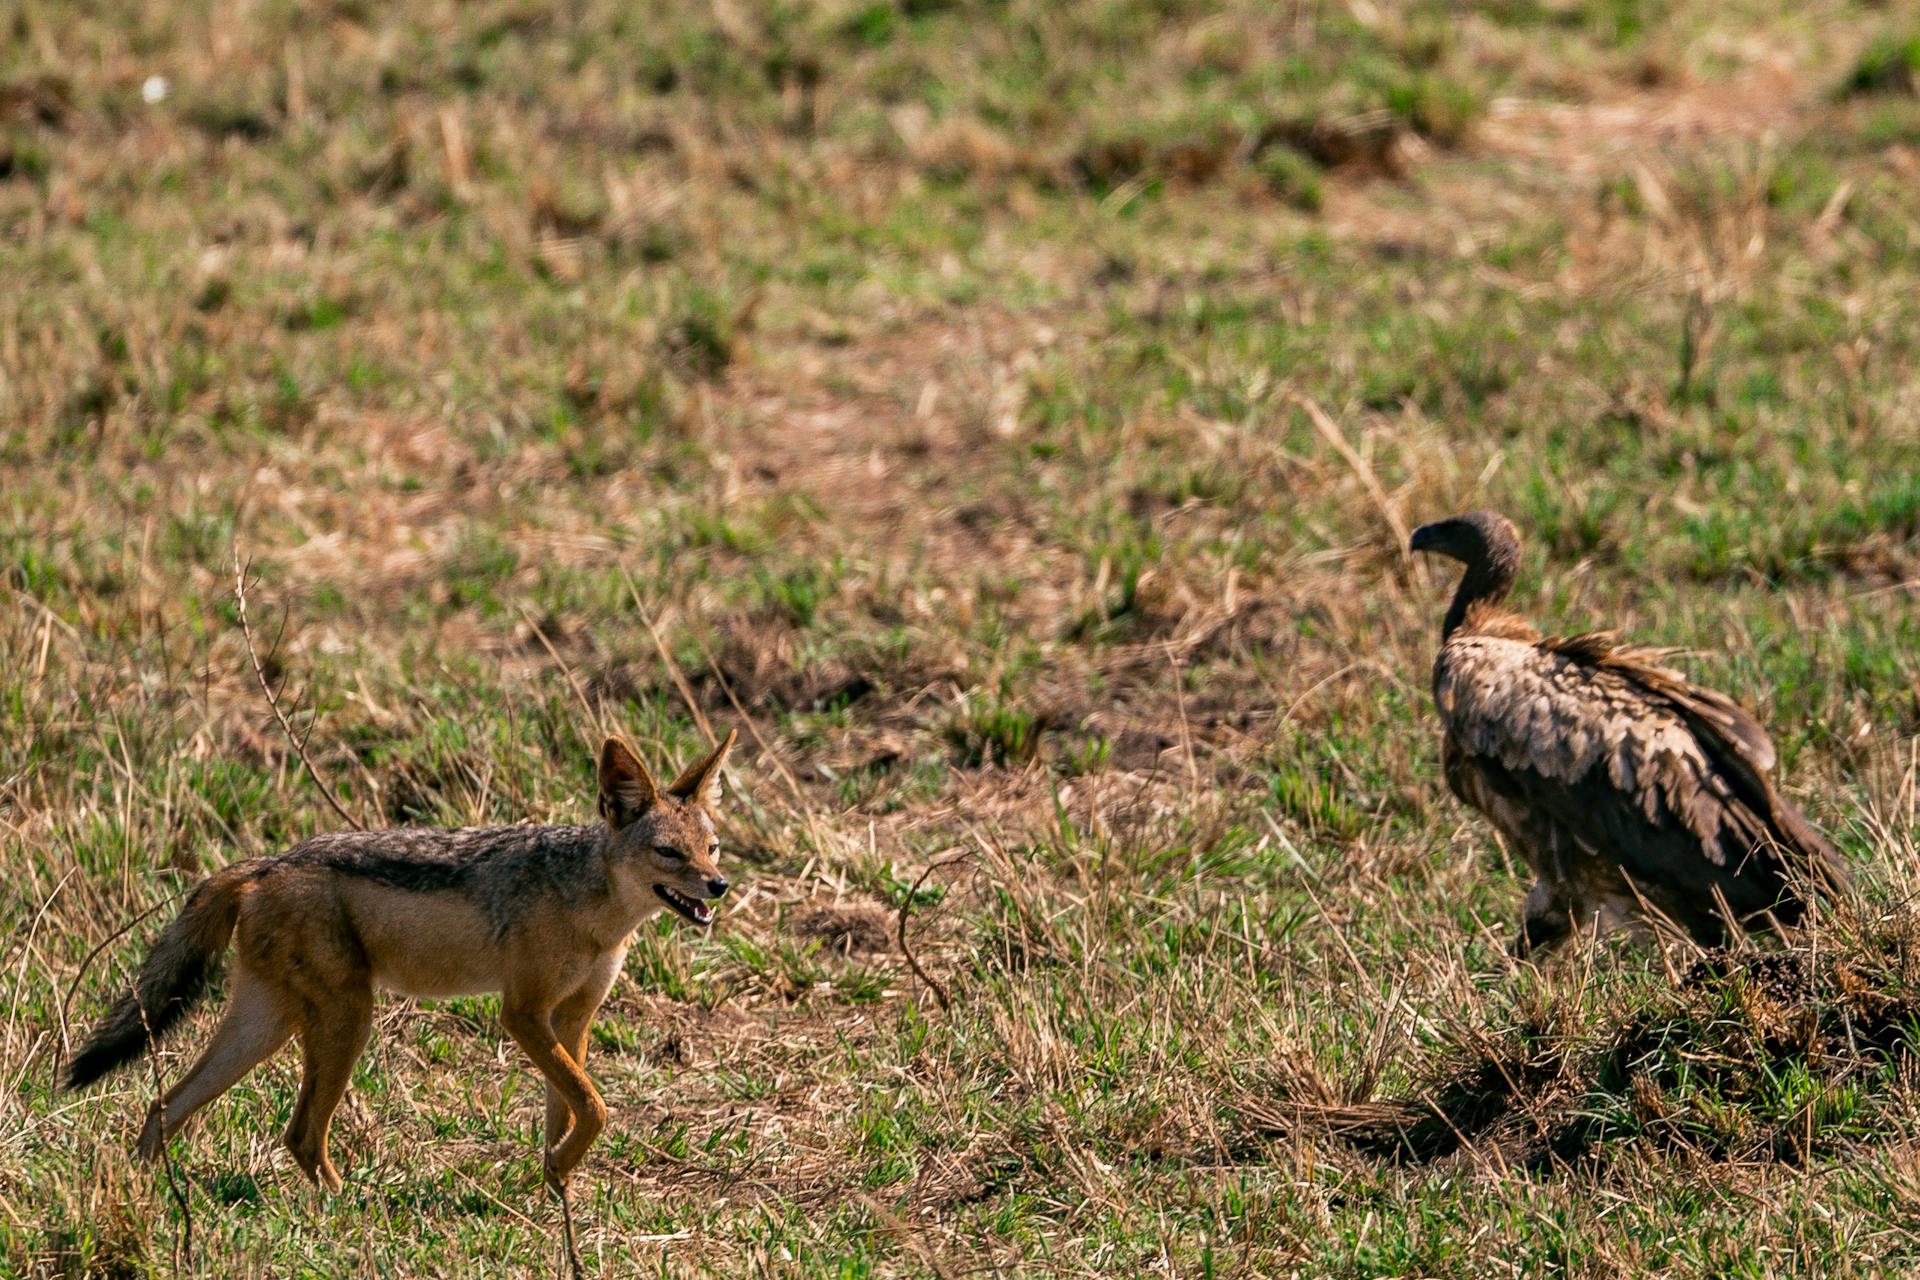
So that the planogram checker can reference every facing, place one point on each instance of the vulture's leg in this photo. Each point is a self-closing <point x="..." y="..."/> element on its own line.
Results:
<point x="1545" y="921"/>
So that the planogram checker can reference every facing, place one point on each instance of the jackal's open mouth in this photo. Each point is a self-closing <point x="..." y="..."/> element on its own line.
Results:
<point x="692" y="909"/>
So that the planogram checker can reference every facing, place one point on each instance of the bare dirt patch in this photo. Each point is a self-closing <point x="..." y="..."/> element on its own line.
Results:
<point x="1587" y="140"/>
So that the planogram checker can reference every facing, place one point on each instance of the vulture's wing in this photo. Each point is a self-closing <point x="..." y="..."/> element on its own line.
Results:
<point x="1722" y="724"/>
<point x="1628" y="761"/>
<point x="1738" y="746"/>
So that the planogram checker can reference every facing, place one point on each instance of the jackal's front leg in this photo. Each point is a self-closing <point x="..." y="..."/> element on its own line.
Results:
<point x="572" y="1025"/>
<point x="532" y="1029"/>
<point x="573" y="1033"/>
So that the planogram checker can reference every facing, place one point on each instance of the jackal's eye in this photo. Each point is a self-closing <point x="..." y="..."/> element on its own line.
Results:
<point x="670" y="853"/>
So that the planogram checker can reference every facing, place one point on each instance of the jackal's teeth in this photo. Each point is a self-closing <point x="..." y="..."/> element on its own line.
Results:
<point x="693" y="909"/>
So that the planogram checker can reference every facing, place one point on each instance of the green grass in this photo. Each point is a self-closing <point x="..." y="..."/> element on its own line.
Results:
<point x="1887" y="64"/>
<point x="926" y="374"/>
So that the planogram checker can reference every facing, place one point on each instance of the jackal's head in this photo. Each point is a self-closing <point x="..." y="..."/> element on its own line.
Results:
<point x="665" y="840"/>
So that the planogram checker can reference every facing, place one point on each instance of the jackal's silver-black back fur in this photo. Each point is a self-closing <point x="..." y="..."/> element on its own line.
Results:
<point x="506" y="871"/>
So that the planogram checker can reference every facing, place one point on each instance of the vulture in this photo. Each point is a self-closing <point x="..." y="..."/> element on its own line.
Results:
<point x="1631" y="792"/>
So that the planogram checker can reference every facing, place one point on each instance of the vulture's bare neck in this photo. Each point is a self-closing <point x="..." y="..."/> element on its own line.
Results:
<point x="1485" y="583"/>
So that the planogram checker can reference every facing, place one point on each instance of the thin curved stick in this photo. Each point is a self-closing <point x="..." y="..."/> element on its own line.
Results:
<point x="182" y="1243"/>
<point x="260" y="674"/>
<point x="906" y="905"/>
<point x="1329" y="429"/>
<point x="67" y="1004"/>
<point x="566" y="1230"/>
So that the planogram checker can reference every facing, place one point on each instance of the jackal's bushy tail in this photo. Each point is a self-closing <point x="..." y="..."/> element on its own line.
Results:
<point x="173" y="977"/>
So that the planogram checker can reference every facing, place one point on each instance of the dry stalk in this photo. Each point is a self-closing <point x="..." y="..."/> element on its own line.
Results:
<point x="259" y="673"/>
<point x="1186" y="729"/>
<point x="1326" y="426"/>
<point x="66" y="1005"/>
<point x="766" y="748"/>
<point x="573" y="681"/>
<point x="183" y="1242"/>
<point x="904" y="1232"/>
<point x="673" y="668"/>
<point x="906" y="905"/>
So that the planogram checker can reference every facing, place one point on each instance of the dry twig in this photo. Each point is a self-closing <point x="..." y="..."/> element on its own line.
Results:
<point x="66" y="1005"/>
<point x="906" y="905"/>
<point x="293" y="739"/>
<point x="182" y="1243"/>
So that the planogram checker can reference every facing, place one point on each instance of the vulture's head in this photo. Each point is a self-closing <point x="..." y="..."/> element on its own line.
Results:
<point x="1477" y="539"/>
<point x="1487" y="544"/>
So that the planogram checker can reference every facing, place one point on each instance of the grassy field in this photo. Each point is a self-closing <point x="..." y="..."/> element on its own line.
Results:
<point x="1008" y="414"/>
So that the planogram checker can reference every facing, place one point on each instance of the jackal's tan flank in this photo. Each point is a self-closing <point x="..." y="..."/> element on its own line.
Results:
<point x="542" y="915"/>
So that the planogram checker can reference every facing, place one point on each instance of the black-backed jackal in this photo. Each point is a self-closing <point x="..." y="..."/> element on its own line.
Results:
<point x="542" y="915"/>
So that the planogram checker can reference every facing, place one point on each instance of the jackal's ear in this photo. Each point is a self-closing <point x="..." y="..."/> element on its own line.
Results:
<point x="701" y="782"/>
<point x="626" y="788"/>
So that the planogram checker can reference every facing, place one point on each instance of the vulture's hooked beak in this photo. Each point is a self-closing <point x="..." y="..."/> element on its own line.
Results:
<point x="1427" y="537"/>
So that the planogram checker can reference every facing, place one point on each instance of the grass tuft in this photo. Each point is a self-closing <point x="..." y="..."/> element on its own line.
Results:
<point x="1889" y="64"/>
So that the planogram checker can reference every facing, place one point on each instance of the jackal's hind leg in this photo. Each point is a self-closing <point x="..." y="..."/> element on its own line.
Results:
<point x="331" y="1041"/>
<point x="252" y="1029"/>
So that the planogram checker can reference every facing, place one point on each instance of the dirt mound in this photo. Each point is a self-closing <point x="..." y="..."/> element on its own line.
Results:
<point x="1777" y="1056"/>
<point x="848" y="927"/>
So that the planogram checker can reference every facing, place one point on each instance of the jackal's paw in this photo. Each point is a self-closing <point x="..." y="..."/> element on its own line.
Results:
<point x="317" y="1170"/>
<point x="153" y="1135"/>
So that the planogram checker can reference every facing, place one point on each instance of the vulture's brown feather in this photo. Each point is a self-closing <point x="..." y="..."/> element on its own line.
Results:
<point x="1624" y="786"/>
